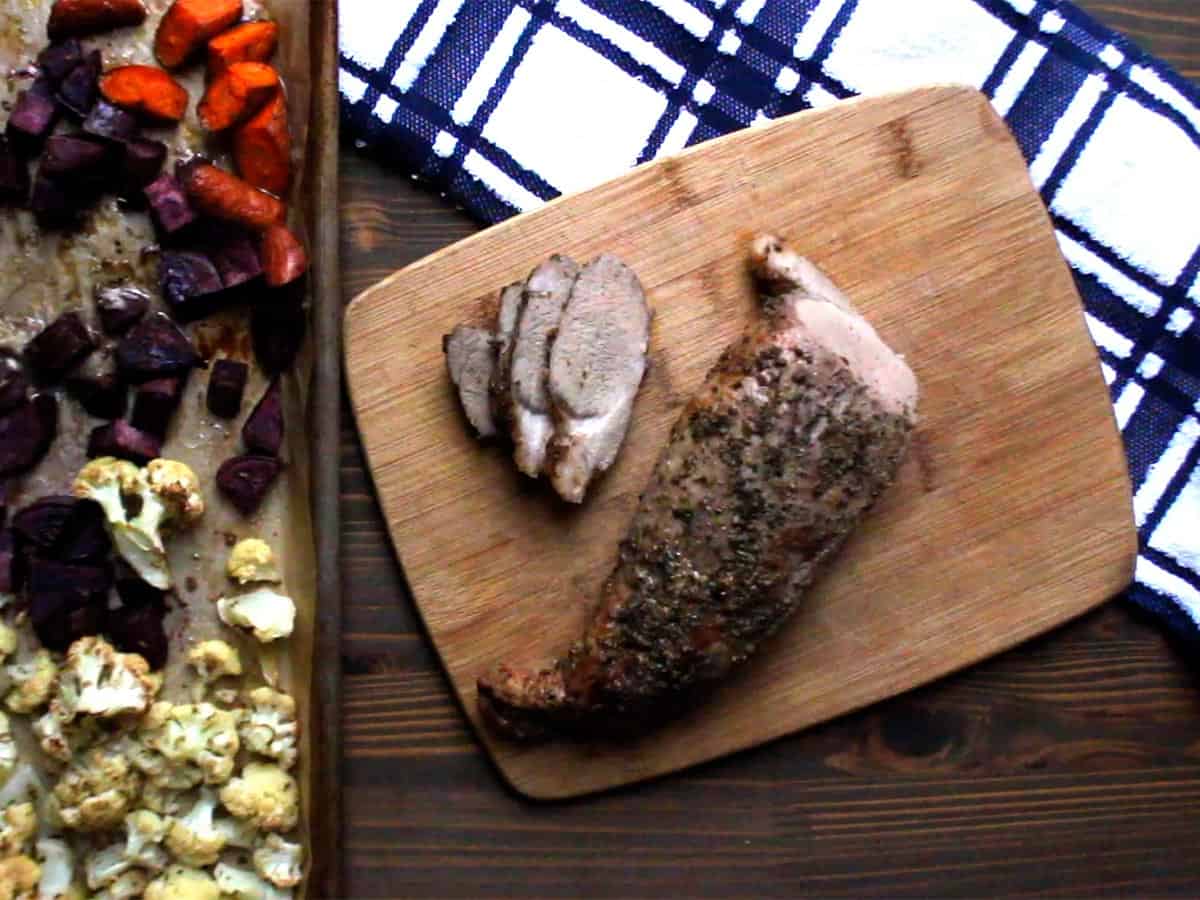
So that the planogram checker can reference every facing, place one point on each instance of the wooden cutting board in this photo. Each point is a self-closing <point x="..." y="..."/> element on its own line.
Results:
<point x="1012" y="513"/>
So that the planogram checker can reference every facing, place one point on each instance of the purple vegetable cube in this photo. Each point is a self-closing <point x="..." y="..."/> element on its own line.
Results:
<point x="46" y="407"/>
<point x="169" y="204"/>
<point x="24" y="438"/>
<point x="236" y="260"/>
<point x="155" y="348"/>
<point x="245" y="480"/>
<point x="262" y="432"/>
<point x="120" y="306"/>
<point x="139" y="629"/>
<point x="141" y="164"/>
<point x="155" y="403"/>
<point x="132" y="590"/>
<point x="59" y="346"/>
<point x="78" y="91"/>
<point x="14" y="385"/>
<point x="110" y="122"/>
<point x="58" y="60"/>
<point x="52" y="204"/>
<point x="14" y="176"/>
<point x="85" y="536"/>
<point x="122" y="440"/>
<point x="277" y="328"/>
<point x="33" y="116"/>
<point x="102" y="394"/>
<point x="190" y="284"/>
<point x="74" y="159"/>
<point x="226" y="387"/>
<point x="42" y="524"/>
<point x="66" y="602"/>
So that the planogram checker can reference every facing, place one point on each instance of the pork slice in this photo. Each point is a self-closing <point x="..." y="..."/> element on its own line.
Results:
<point x="530" y="419"/>
<point x="471" y="359"/>
<point x="512" y="299"/>
<point x="596" y="367"/>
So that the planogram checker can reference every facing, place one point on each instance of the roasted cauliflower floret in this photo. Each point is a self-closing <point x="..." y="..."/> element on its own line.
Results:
<point x="8" y="641"/>
<point x="183" y="883"/>
<point x="19" y="876"/>
<point x="18" y="824"/>
<point x="163" y="800"/>
<point x="264" y="795"/>
<point x="279" y="861"/>
<point x="33" y="683"/>
<point x="144" y="833"/>
<point x="110" y="482"/>
<point x="193" y="743"/>
<point x="128" y="886"/>
<point x="243" y="884"/>
<point x="8" y="748"/>
<point x="269" y="727"/>
<point x="58" y="869"/>
<point x="62" y="742"/>
<point x="192" y="839"/>
<point x="268" y="614"/>
<point x="251" y="560"/>
<point x="215" y="659"/>
<point x="237" y="833"/>
<point x="103" y="867"/>
<point x="97" y="790"/>
<point x="99" y="681"/>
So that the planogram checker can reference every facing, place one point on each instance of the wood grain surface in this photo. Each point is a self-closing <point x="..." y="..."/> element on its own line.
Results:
<point x="1069" y="766"/>
<point x="1012" y="514"/>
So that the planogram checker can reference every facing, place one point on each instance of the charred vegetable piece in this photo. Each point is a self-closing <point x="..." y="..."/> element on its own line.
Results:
<point x="122" y="440"/>
<point x="147" y="91"/>
<point x="119" y="307"/>
<point x="189" y="25"/>
<point x="139" y="629"/>
<point x="248" y="42"/>
<point x="283" y="256"/>
<point x="141" y="164"/>
<point x="14" y="176"/>
<point x="102" y="395"/>
<point x="132" y="590"/>
<point x="66" y="602"/>
<point x="59" y="346"/>
<point x="155" y="348"/>
<point x="110" y="122"/>
<point x="78" y="91"/>
<point x="222" y="195"/>
<point x="33" y="116"/>
<point x="56" y="61"/>
<point x="226" y="387"/>
<point x="46" y="407"/>
<point x="79" y="17"/>
<point x="263" y="429"/>
<point x="14" y="384"/>
<point x="84" y="536"/>
<point x="245" y="480"/>
<point x="74" y="159"/>
<point x="155" y="403"/>
<point x="262" y="148"/>
<point x="169" y="204"/>
<point x="190" y="284"/>
<point x="277" y="328"/>
<point x="43" y="523"/>
<point x="53" y="204"/>
<point x="26" y="433"/>
<point x="237" y="94"/>
<point x="6" y="562"/>
<point x="236" y="260"/>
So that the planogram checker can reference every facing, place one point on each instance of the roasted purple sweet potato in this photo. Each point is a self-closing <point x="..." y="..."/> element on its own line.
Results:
<point x="111" y="122"/>
<point x="101" y="394"/>
<point x="226" y="387"/>
<point x="59" y="346"/>
<point x="84" y="536"/>
<point x="14" y="385"/>
<point x="14" y="176"/>
<point x="74" y="159"/>
<point x="132" y="590"/>
<point x="141" y="164"/>
<point x="33" y="116"/>
<point x="155" y="403"/>
<point x="42" y="524"/>
<point x="78" y="91"/>
<point x="57" y="61"/>
<point x="155" y="348"/>
<point x="139" y="629"/>
<point x="191" y="285"/>
<point x="245" y="480"/>
<point x="54" y="205"/>
<point x="24" y="437"/>
<point x="169" y="204"/>
<point x="122" y="440"/>
<point x="45" y="405"/>
<point x="263" y="430"/>
<point x="277" y="327"/>
<point x="120" y="306"/>
<point x="236" y="259"/>
<point x="66" y="602"/>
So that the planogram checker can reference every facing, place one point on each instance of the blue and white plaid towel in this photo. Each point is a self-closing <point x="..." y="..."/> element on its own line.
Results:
<point x="503" y="104"/>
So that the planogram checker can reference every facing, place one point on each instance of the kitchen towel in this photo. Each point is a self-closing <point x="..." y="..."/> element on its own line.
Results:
<point x="503" y="104"/>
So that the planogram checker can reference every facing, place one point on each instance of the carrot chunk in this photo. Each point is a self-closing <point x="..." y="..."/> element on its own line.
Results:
<point x="147" y="90"/>
<point x="248" y="42"/>
<point x="283" y="256"/>
<point x="71" y="18"/>
<point x="189" y="25"/>
<point x="262" y="148"/>
<point x="237" y="94"/>
<point x="222" y="195"/>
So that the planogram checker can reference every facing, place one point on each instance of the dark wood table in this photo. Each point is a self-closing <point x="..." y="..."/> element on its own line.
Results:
<point x="1069" y="766"/>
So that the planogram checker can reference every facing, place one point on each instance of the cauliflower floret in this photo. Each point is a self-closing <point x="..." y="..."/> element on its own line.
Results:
<point x="264" y="795"/>
<point x="97" y="790"/>
<point x="192" y="839"/>
<point x="33" y="683"/>
<point x="98" y="680"/>
<point x="243" y="884"/>
<point x="279" y="861"/>
<point x="105" y="866"/>
<point x="269" y="727"/>
<point x="252" y="559"/>
<point x="163" y="800"/>
<point x="61" y="741"/>
<point x="19" y="875"/>
<point x="8" y="748"/>
<point x="183" y="883"/>
<point x="130" y="885"/>
<point x="144" y="833"/>
<point x="109" y="481"/>
<point x="18" y="824"/>
<point x="58" y="869"/>
<point x="8" y="641"/>
<point x="215" y="659"/>
<point x="267" y="613"/>
<point x="237" y="833"/>
<point x="195" y="742"/>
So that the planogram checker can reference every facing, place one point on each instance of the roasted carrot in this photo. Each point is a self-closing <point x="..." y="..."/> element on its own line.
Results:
<point x="147" y="90"/>
<point x="70" y="18"/>
<point x="262" y="148"/>
<point x="237" y="94"/>
<point x="222" y="195"/>
<point x="283" y="256"/>
<point x="248" y="42"/>
<point x="189" y="25"/>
